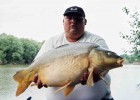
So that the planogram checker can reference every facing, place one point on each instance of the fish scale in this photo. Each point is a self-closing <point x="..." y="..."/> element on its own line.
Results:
<point x="65" y="65"/>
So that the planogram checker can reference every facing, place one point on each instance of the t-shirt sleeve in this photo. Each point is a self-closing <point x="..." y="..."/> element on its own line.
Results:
<point x="102" y="43"/>
<point x="93" y="38"/>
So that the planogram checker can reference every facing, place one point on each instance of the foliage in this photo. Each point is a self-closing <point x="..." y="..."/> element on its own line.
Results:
<point x="31" y="48"/>
<point x="14" y="50"/>
<point x="129" y="59"/>
<point x="133" y="38"/>
<point x="10" y="48"/>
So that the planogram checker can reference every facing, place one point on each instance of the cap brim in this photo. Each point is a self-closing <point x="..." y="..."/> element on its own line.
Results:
<point x="71" y="13"/>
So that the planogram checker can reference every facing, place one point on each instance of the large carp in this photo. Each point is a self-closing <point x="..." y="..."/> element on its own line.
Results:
<point x="64" y="66"/>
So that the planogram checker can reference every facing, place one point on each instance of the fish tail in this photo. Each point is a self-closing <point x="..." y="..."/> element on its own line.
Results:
<point x="23" y="80"/>
<point x="19" y="76"/>
<point x="22" y="87"/>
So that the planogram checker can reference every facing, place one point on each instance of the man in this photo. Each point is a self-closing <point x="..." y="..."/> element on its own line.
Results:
<point x="74" y="31"/>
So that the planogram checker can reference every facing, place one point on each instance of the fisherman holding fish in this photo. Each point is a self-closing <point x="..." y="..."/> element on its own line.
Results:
<point x="73" y="57"/>
<point x="74" y="22"/>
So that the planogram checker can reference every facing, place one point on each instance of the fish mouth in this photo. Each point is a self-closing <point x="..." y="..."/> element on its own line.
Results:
<point x="120" y="62"/>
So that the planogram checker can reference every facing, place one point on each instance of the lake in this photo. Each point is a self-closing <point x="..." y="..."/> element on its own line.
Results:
<point x="125" y="84"/>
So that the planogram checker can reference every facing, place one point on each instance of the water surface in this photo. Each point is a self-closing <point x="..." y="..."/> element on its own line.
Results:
<point x="125" y="84"/>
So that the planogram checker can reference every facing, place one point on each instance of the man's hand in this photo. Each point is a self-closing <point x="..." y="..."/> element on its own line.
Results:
<point x="84" y="78"/>
<point x="96" y="78"/>
<point x="38" y="82"/>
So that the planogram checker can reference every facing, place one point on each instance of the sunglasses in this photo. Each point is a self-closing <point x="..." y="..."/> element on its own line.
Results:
<point x="76" y="18"/>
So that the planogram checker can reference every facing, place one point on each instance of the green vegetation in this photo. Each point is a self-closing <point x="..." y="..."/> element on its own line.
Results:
<point x="22" y="51"/>
<point x="133" y="38"/>
<point x="131" y="59"/>
<point x="17" y="51"/>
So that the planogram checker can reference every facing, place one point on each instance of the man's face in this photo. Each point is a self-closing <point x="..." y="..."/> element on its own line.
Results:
<point x="74" y="25"/>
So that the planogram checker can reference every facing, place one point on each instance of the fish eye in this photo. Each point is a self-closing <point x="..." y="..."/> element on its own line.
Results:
<point x="109" y="53"/>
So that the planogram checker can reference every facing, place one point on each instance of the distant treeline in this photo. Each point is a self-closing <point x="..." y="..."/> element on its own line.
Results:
<point x="131" y="59"/>
<point x="15" y="50"/>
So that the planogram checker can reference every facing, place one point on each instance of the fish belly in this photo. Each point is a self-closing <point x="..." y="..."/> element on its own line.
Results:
<point x="64" y="70"/>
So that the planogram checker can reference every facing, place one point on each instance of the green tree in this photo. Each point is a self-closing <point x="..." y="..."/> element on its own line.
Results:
<point x="128" y="58"/>
<point x="31" y="48"/>
<point x="11" y="49"/>
<point x="133" y="37"/>
<point x="14" y="50"/>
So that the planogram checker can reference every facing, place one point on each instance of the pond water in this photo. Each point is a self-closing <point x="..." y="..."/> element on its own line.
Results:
<point x="125" y="84"/>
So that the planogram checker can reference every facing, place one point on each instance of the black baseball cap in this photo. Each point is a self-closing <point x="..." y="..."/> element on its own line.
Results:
<point x="74" y="10"/>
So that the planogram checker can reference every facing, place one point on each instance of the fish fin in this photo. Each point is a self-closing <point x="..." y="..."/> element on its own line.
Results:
<point x="22" y="87"/>
<point x="23" y="80"/>
<point x="34" y="84"/>
<point x="68" y="89"/>
<point x="90" y="78"/>
<point x="63" y="87"/>
<point x="19" y="76"/>
<point x="104" y="80"/>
